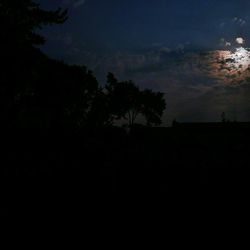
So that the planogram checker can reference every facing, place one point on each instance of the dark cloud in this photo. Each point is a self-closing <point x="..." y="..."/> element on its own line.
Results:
<point x="74" y="3"/>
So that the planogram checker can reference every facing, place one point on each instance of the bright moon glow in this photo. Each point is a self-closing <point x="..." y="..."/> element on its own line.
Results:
<point x="235" y="62"/>
<point x="239" y="40"/>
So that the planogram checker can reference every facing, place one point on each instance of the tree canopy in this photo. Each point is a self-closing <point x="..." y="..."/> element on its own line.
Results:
<point x="127" y="101"/>
<point x="21" y="62"/>
<point x="20" y="19"/>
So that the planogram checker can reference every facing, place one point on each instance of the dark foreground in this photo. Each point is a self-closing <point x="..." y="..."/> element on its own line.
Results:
<point x="156" y="159"/>
<point x="173" y="160"/>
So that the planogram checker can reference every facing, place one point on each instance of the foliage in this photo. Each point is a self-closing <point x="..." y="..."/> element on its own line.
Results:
<point x="67" y="92"/>
<point x="153" y="106"/>
<point x="22" y="64"/>
<point x="19" y="20"/>
<point x="127" y="101"/>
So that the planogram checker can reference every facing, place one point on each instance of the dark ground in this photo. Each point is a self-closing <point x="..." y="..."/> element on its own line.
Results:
<point x="183" y="160"/>
<point x="153" y="159"/>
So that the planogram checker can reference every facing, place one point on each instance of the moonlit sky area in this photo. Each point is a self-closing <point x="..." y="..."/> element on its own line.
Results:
<point x="195" y="51"/>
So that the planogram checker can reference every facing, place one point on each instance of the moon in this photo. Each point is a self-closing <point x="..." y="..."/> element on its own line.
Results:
<point x="240" y="40"/>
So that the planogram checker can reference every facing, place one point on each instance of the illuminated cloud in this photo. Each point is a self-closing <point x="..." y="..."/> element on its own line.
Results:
<point x="225" y="43"/>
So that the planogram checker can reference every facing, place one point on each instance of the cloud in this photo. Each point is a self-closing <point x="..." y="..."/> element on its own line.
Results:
<point x="235" y="23"/>
<point x="74" y="3"/>
<point x="239" y="21"/>
<point x="79" y="3"/>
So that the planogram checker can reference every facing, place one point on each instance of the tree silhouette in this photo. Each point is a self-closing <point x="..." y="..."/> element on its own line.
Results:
<point x="123" y="99"/>
<point x="66" y="93"/>
<point x="19" y="20"/>
<point x="127" y="101"/>
<point x="153" y="106"/>
<point x="99" y="114"/>
<point x="21" y="61"/>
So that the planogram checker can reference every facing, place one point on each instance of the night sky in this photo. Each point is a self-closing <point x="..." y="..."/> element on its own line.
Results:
<point x="171" y="46"/>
